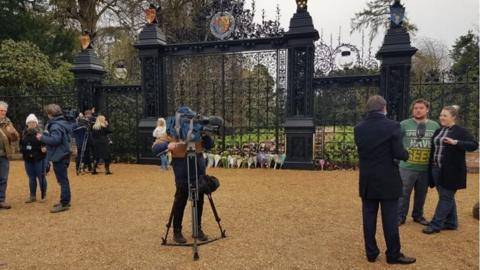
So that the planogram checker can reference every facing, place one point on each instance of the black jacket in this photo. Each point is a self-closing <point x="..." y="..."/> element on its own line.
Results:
<point x="379" y="143"/>
<point x="453" y="171"/>
<point x="101" y="142"/>
<point x="31" y="147"/>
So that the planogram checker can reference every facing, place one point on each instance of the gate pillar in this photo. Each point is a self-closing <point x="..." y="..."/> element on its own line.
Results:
<point x="299" y="125"/>
<point x="88" y="72"/>
<point x="150" y="48"/>
<point x="396" y="57"/>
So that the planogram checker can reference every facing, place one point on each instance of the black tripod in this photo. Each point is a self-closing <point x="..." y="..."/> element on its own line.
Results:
<point x="193" y="196"/>
<point x="86" y="136"/>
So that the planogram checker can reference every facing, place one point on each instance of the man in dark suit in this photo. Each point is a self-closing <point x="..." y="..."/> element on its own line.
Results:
<point x="379" y="144"/>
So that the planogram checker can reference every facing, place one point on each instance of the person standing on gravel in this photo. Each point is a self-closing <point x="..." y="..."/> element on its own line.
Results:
<point x="379" y="145"/>
<point x="8" y="135"/>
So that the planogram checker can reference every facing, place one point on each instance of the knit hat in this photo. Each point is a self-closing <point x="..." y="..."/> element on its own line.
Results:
<point x="31" y="118"/>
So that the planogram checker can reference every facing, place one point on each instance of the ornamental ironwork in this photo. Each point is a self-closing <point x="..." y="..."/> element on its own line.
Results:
<point x="342" y="57"/>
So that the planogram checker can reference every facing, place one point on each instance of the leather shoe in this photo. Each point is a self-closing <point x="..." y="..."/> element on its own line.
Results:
<point x="374" y="259"/>
<point x="402" y="259"/>
<point x="421" y="220"/>
<point x="430" y="230"/>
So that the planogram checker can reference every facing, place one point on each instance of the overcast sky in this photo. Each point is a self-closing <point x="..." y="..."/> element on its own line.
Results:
<point x="443" y="20"/>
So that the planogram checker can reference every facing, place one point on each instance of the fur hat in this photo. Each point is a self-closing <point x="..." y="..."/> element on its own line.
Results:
<point x="31" y="118"/>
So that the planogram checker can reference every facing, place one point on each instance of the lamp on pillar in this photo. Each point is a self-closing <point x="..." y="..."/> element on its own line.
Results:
<point x="396" y="57"/>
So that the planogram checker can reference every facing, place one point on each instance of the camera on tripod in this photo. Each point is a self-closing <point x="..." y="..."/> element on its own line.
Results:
<point x="188" y="125"/>
<point x="70" y="114"/>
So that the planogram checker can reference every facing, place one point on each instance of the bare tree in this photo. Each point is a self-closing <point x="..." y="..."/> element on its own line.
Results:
<point x="375" y="18"/>
<point x="431" y="58"/>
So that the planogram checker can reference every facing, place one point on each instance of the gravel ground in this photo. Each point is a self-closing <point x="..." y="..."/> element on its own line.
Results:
<point x="275" y="219"/>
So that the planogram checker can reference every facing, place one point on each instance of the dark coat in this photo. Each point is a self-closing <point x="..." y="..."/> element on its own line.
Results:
<point x="453" y="173"/>
<point x="57" y="139"/>
<point x="101" y="143"/>
<point x="379" y="143"/>
<point x="31" y="147"/>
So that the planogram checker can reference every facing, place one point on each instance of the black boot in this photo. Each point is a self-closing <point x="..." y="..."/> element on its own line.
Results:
<point x="201" y="235"/>
<point x="94" y="169"/>
<point x="178" y="236"/>
<point x="107" y="168"/>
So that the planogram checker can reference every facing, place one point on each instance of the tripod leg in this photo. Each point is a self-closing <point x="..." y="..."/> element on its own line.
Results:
<point x="169" y="224"/>
<point x="215" y="213"/>
<point x="195" y="227"/>
<point x="82" y="153"/>
<point x="192" y="170"/>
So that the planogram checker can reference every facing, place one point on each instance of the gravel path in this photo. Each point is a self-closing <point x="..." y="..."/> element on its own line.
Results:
<point x="275" y="219"/>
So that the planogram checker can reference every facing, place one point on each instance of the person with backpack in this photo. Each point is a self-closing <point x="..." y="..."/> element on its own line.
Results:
<point x="57" y="139"/>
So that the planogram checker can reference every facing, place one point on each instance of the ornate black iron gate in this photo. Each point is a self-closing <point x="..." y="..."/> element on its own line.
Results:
<point x="161" y="92"/>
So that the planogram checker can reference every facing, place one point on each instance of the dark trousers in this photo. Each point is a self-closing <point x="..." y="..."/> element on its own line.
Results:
<point x="4" y="168"/>
<point x="60" y="169"/>
<point x="390" y="227"/>
<point x="181" y="197"/>
<point x="36" y="170"/>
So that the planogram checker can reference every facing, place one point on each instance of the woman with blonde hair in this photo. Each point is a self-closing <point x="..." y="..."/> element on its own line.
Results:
<point x="447" y="168"/>
<point x="101" y="143"/>
<point x="160" y="134"/>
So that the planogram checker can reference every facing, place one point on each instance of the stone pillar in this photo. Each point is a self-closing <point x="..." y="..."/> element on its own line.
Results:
<point x="150" y="47"/>
<point x="299" y="126"/>
<point x="396" y="57"/>
<point x="88" y="72"/>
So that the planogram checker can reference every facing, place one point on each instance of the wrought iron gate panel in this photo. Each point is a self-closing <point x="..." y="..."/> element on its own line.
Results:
<point x="246" y="89"/>
<point x="19" y="107"/>
<point x="339" y="106"/>
<point x="123" y="109"/>
<point x="443" y="89"/>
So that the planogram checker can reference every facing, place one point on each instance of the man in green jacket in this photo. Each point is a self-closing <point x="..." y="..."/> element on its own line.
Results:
<point x="416" y="136"/>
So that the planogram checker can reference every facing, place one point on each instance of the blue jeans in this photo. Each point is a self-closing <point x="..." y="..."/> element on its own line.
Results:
<point x="446" y="211"/>
<point x="60" y="169"/>
<point x="4" y="168"/>
<point x="164" y="161"/>
<point x="36" y="170"/>
<point x="412" y="180"/>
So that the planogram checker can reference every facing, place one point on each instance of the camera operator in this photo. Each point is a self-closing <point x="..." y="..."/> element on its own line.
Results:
<point x="82" y="130"/>
<point x="179" y="164"/>
<point x="57" y="139"/>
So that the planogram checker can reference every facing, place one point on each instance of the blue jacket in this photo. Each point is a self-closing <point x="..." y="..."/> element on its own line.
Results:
<point x="57" y="139"/>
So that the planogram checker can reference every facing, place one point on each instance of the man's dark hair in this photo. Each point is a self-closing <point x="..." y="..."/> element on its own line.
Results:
<point x="375" y="103"/>
<point x="422" y="101"/>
